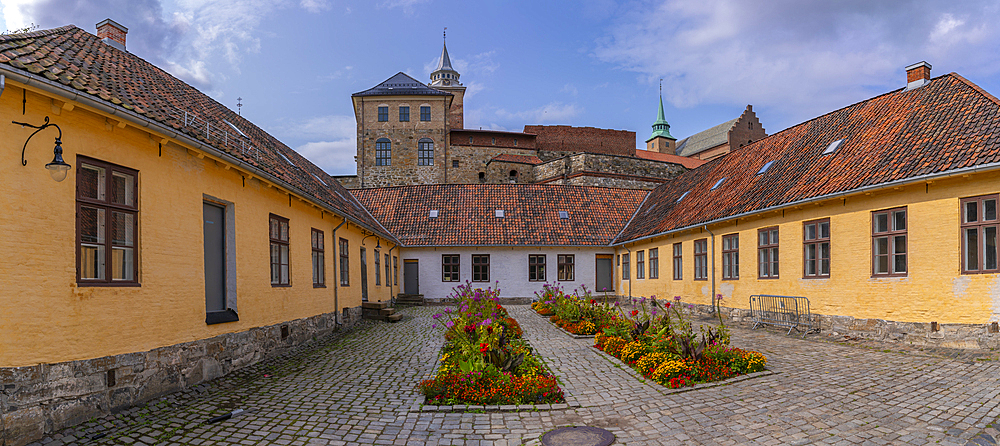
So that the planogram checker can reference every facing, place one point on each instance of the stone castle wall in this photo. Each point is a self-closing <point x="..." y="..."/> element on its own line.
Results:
<point x="587" y="169"/>
<point x="403" y="168"/>
<point x="472" y="160"/>
<point x="44" y="398"/>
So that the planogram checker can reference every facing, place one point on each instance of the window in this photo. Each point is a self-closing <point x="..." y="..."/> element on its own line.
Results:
<point x="383" y="113"/>
<point x="625" y="267"/>
<point x="816" y="249"/>
<point x="383" y="152"/>
<point x="395" y="270"/>
<point x="731" y="257"/>
<point x="640" y="264"/>
<point x="450" y="268"/>
<point x="378" y="269"/>
<point x="536" y="268"/>
<point x="767" y="253"/>
<point x="425" y="152"/>
<point x="654" y="263"/>
<point x="425" y="113"/>
<point x="889" y="242"/>
<point x="718" y="183"/>
<point x="345" y="270"/>
<point x="470" y="140"/>
<point x="279" y="250"/>
<point x="404" y="113"/>
<point x="979" y="234"/>
<point x="481" y="268"/>
<point x="566" y="267"/>
<point x="107" y="223"/>
<point x="678" y="262"/>
<point x="454" y="163"/>
<point x="318" y="257"/>
<point x="701" y="259"/>
<point x="387" y="271"/>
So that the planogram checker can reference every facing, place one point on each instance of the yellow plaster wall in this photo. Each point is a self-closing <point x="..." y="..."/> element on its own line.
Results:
<point x="934" y="290"/>
<point x="46" y="317"/>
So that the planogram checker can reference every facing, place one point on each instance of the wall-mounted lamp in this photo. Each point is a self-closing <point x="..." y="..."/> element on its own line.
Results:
<point x="378" y="240"/>
<point x="57" y="168"/>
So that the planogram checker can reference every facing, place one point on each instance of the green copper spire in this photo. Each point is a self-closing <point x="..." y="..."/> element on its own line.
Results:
<point x="660" y="127"/>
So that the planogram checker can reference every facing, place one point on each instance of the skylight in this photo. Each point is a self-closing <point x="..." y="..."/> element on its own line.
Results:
<point x="718" y="183"/>
<point x="235" y="128"/>
<point x="498" y="213"/>
<point x="563" y="215"/>
<point x="766" y="166"/>
<point x="282" y="155"/>
<point x="321" y="180"/>
<point x="833" y="146"/>
<point x="682" y="196"/>
<point x="434" y="213"/>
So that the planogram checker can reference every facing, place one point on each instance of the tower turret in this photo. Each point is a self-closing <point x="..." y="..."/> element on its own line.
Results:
<point x="445" y="78"/>
<point x="661" y="141"/>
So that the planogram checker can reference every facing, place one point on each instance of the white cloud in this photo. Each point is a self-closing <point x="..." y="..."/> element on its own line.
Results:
<point x="334" y="157"/>
<point x="331" y="141"/>
<point x="551" y="112"/>
<point x="406" y="5"/>
<point x="13" y="14"/>
<point x="315" y="6"/>
<point x="805" y="58"/>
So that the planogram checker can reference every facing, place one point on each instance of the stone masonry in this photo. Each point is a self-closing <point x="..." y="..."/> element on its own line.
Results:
<point x="587" y="169"/>
<point x="40" y="399"/>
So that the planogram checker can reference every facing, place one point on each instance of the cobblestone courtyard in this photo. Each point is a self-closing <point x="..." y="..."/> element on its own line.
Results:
<point x="358" y="387"/>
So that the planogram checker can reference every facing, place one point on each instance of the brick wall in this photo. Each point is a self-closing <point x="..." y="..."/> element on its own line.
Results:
<point x="747" y="129"/>
<point x="583" y="139"/>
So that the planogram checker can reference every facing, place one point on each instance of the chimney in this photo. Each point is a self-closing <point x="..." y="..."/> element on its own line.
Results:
<point x="917" y="75"/>
<point x="112" y="33"/>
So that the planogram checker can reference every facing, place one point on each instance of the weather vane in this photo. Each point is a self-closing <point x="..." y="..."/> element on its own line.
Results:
<point x="661" y="86"/>
<point x="239" y="106"/>
<point x="445" y="33"/>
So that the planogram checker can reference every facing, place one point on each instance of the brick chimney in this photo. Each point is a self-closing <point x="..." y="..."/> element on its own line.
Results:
<point x="917" y="75"/>
<point x="112" y="33"/>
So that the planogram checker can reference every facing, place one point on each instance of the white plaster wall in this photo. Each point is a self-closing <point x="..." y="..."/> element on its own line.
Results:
<point x="509" y="266"/>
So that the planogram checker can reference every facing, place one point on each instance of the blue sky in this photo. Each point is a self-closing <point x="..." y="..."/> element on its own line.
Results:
<point x="596" y="63"/>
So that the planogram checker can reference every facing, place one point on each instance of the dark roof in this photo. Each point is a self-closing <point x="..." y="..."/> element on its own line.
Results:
<point x="945" y="125"/>
<point x="79" y="62"/>
<point x="706" y="139"/>
<point x="521" y="159"/>
<point x="401" y="85"/>
<point x="466" y="213"/>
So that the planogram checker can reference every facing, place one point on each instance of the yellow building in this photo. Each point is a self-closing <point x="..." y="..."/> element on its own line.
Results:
<point x="183" y="242"/>
<point x="883" y="210"/>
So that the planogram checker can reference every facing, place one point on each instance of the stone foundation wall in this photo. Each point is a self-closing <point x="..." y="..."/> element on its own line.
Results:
<point x="40" y="399"/>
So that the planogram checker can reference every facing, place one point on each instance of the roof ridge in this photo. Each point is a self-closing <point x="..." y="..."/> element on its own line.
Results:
<point x="38" y="33"/>
<point x="974" y="87"/>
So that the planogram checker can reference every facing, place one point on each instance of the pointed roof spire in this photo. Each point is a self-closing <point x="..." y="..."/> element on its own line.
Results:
<point x="660" y="127"/>
<point x="444" y="74"/>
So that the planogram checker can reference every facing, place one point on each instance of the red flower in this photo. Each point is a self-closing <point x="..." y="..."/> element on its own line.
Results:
<point x="668" y="304"/>
<point x="484" y="347"/>
<point x="592" y="301"/>
<point x="635" y="312"/>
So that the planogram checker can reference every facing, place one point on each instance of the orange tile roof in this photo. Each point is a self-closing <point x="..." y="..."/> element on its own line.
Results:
<point x="900" y="136"/>
<point x="78" y="62"/>
<point x="522" y="159"/>
<point x="466" y="213"/>
<point x="689" y="163"/>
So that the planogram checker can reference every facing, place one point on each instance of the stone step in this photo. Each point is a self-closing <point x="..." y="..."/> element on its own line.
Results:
<point x="410" y="299"/>
<point x="374" y="305"/>
<point x="393" y="317"/>
<point x="387" y="311"/>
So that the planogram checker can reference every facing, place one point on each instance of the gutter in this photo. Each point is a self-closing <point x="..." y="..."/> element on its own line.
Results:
<point x="897" y="183"/>
<point x="336" y="284"/>
<point x="60" y="90"/>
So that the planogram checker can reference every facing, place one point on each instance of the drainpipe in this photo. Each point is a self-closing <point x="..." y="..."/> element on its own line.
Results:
<point x="392" y="297"/>
<point x="712" y="256"/>
<point x="336" y="278"/>
<point x="3" y="83"/>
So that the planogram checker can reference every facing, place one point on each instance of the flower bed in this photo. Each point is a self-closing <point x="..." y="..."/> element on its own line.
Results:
<point x="654" y="337"/>
<point x="485" y="361"/>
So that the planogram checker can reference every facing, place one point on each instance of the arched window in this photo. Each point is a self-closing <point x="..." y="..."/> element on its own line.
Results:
<point x="482" y="177"/>
<point x="383" y="152"/>
<point x="513" y="176"/>
<point x="425" y="152"/>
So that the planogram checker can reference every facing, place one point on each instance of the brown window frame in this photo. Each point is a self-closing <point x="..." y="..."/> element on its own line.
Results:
<point x="480" y="270"/>
<point x="816" y="244"/>
<point x="279" y="242"/>
<point x="703" y="256"/>
<point x="378" y="268"/>
<point x="447" y="274"/>
<point x="566" y="267"/>
<point x="678" y="263"/>
<point x="640" y="264"/>
<point x="533" y="267"/>
<point x="731" y="257"/>
<point x="981" y="225"/>
<point x="318" y="241"/>
<point x="654" y="263"/>
<point x="770" y="250"/>
<point x="109" y="208"/>
<point x="395" y="271"/>
<point x="345" y="262"/>
<point x="626" y="267"/>
<point x="388" y="271"/>
<point x="891" y="234"/>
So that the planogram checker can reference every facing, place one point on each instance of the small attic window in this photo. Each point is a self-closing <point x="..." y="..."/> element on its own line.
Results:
<point x="564" y="215"/>
<point x="498" y="213"/>
<point x="235" y="128"/>
<point x="282" y="155"/>
<point x="682" y="196"/>
<point x="321" y="180"/>
<point x="833" y="147"/>
<point x="433" y="213"/>
<point x="718" y="183"/>
<point x="766" y="166"/>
